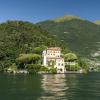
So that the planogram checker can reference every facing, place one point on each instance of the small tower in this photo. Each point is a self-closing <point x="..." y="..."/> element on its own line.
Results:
<point x="44" y="58"/>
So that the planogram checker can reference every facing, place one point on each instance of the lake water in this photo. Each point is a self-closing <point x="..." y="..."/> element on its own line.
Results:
<point x="50" y="87"/>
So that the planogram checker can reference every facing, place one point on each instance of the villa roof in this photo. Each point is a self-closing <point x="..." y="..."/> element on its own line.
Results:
<point x="54" y="48"/>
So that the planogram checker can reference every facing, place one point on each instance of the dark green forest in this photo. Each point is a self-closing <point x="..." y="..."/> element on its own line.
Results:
<point x="18" y="37"/>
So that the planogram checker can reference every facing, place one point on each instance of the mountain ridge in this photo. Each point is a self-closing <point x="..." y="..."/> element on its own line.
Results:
<point x="81" y="36"/>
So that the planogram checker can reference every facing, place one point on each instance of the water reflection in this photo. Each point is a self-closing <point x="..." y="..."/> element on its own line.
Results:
<point x="50" y="87"/>
<point x="54" y="87"/>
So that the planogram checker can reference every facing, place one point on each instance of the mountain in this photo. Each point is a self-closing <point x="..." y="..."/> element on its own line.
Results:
<point x="97" y="22"/>
<point x="18" y="37"/>
<point x="80" y="35"/>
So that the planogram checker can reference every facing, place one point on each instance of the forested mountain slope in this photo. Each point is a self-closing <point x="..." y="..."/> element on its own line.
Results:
<point x="17" y="37"/>
<point x="81" y="36"/>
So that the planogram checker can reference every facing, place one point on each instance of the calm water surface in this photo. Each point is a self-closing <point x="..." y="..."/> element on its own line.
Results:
<point x="50" y="87"/>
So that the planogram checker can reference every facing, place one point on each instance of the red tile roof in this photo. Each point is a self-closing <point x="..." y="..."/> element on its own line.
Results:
<point x="54" y="48"/>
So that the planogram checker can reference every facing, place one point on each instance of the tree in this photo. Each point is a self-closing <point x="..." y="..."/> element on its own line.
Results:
<point x="84" y="64"/>
<point x="25" y="59"/>
<point x="33" y="68"/>
<point x="39" y="49"/>
<point x="70" y="57"/>
<point x="75" y="67"/>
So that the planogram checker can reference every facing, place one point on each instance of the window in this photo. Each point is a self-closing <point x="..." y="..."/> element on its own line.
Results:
<point x="58" y="64"/>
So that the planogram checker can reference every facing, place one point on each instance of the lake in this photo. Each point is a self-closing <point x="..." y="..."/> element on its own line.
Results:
<point x="50" y="87"/>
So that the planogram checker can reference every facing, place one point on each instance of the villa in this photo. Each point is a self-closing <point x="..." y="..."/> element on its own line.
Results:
<point x="52" y="57"/>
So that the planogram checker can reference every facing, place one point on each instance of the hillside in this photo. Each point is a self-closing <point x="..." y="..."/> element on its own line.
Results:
<point x="80" y="35"/>
<point x="18" y="37"/>
<point x="97" y="22"/>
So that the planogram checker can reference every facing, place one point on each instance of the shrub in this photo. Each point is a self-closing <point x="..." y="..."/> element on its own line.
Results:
<point x="33" y="68"/>
<point x="53" y="70"/>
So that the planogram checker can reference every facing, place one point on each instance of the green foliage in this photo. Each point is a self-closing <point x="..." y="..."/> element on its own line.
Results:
<point x="39" y="49"/>
<point x="17" y="37"/>
<point x="12" y="68"/>
<point x="28" y="57"/>
<point x="70" y="57"/>
<point x="53" y="70"/>
<point x="51" y="63"/>
<point x="75" y="67"/>
<point x="25" y="59"/>
<point x="84" y="64"/>
<point x="33" y="68"/>
<point x="49" y="69"/>
<point x="44" y="69"/>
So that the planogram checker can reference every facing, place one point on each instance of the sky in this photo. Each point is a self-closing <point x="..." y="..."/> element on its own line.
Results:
<point x="39" y="10"/>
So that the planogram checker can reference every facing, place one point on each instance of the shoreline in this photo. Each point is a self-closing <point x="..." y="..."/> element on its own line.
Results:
<point x="26" y="72"/>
